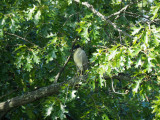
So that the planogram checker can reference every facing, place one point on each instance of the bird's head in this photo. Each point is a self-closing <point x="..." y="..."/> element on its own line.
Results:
<point x="76" y="47"/>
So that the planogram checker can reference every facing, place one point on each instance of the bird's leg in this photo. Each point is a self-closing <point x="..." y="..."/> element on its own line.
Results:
<point x="78" y="71"/>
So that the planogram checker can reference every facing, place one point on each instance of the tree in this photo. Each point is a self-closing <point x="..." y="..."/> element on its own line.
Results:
<point x="38" y="76"/>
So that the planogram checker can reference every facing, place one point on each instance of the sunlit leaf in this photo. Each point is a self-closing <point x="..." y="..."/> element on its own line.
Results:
<point x="1" y="32"/>
<point x="36" y="58"/>
<point x="37" y="16"/>
<point x="135" y="90"/>
<point x="51" y="55"/>
<point x="139" y="62"/>
<point x="112" y="55"/>
<point x="136" y="29"/>
<point x="49" y="111"/>
<point x="31" y="12"/>
<point x="155" y="10"/>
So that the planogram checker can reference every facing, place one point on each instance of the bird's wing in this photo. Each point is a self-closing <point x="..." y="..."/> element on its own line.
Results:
<point x="78" y="57"/>
<point x="84" y="60"/>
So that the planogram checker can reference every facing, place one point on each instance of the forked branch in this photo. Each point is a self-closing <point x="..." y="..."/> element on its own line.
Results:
<point x="105" y="18"/>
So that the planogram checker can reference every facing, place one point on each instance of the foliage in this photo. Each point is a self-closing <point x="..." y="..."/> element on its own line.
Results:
<point x="36" y="38"/>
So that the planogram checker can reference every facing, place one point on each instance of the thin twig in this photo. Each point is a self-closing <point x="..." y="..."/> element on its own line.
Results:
<point x="120" y="38"/>
<point x="21" y="38"/>
<point x="60" y="72"/>
<point x="69" y="18"/>
<point x="8" y="93"/>
<point x="142" y="16"/>
<point x="147" y="98"/>
<point x="114" y="89"/>
<point x="117" y="13"/>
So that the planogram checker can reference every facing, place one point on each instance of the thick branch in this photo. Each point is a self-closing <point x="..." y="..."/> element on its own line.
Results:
<point x="37" y="94"/>
<point x="103" y="17"/>
<point x="40" y="93"/>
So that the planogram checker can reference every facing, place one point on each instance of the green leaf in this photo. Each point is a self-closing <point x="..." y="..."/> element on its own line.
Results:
<point x="28" y="66"/>
<point x="84" y="33"/>
<point x="79" y="30"/>
<point x="30" y="113"/>
<point x="146" y="38"/>
<point x="51" y="55"/>
<point x="155" y="10"/>
<point x="136" y="29"/>
<point x="37" y="17"/>
<point x="135" y="89"/>
<point x="12" y="27"/>
<point x="49" y="110"/>
<point x="3" y="21"/>
<point x="149" y="65"/>
<point x="105" y="117"/>
<point x="135" y="51"/>
<point x="156" y="38"/>
<point x="139" y="62"/>
<point x="101" y="82"/>
<point x="128" y="62"/>
<point x="20" y="47"/>
<point x="112" y="54"/>
<point x="36" y="58"/>
<point x="1" y="33"/>
<point x="31" y="12"/>
<point x="69" y="2"/>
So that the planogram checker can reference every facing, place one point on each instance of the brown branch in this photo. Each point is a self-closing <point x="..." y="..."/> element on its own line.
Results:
<point x="29" y="97"/>
<point x="103" y="17"/>
<point x="40" y="93"/>
<point x="65" y="64"/>
<point x="60" y="72"/>
<point x="117" y="13"/>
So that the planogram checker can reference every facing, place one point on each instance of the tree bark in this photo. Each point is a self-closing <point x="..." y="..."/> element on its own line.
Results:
<point x="37" y="94"/>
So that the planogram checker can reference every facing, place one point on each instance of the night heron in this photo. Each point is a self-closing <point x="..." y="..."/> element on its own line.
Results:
<point x="80" y="59"/>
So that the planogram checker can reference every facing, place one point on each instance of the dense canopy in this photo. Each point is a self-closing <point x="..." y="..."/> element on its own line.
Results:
<point x="39" y="80"/>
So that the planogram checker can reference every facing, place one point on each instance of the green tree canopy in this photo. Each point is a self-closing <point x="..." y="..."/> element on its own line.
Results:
<point x="39" y="80"/>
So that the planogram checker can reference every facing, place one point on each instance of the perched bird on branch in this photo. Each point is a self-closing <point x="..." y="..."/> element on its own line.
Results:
<point x="80" y="59"/>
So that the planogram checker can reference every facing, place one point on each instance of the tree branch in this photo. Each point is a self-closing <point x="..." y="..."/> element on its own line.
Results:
<point x="65" y="64"/>
<point x="21" y="38"/>
<point x="117" y="13"/>
<point x="135" y="15"/>
<point x="42" y="92"/>
<point x="37" y="94"/>
<point x="103" y="17"/>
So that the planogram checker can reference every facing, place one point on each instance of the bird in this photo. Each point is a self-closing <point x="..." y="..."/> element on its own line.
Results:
<point x="80" y="59"/>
